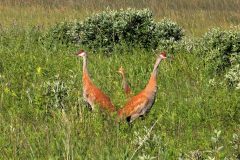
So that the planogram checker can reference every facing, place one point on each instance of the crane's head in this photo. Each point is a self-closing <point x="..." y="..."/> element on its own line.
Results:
<point x="81" y="53"/>
<point x="121" y="70"/>
<point x="163" y="55"/>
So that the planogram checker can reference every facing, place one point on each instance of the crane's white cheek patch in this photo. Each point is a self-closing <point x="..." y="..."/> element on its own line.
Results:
<point x="83" y="53"/>
<point x="163" y="57"/>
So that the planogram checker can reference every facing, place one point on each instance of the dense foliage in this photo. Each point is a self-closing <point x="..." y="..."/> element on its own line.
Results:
<point x="222" y="48"/>
<point x="221" y="51"/>
<point x="110" y="28"/>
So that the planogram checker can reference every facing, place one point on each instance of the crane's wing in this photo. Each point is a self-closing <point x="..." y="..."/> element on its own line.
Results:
<point x="135" y="107"/>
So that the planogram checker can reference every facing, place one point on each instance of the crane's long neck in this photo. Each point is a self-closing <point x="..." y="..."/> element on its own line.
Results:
<point x="155" y="69"/>
<point x="125" y="84"/>
<point x="124" y="81"/>
<point x="86" y="77"/>
<point x="85" y="65"/>
<point x="151" y="87"/>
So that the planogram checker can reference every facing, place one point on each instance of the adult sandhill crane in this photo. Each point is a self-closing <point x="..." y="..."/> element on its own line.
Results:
<point x="93" y="95"/>
<point x="125" y="85"/>
<point x="141" y="104"/>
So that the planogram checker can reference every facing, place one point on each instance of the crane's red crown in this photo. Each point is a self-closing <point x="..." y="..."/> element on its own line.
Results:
<point x="163" y="55"/>
<point x="81" y="53"/>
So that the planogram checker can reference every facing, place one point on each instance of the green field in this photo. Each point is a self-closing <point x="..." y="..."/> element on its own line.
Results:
<point x="42" y="114"/>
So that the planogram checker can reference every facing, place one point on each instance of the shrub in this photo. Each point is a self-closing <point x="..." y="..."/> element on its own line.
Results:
<point x="186" y="44"/>
<point x="233" y="76"/>
<point x="110" y="28"/>
<point x="222" y="54"/>
<point x="168" y="30"/>
<point x="220" y="46"/>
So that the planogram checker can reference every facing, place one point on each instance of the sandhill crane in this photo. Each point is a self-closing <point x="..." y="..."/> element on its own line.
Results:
<point x="141" y="104"/>
<point x="91" y="94"/>
<point x="125" y="85"/>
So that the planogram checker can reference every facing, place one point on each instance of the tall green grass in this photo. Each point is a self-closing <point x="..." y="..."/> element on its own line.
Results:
<point x="196" y="16"/>
<point x="42" y="114"/>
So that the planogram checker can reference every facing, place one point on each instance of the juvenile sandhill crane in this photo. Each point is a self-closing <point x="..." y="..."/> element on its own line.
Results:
<point x="91" y="94"/>
<point x="125" y="85"/>
<point x="141" y="104"/>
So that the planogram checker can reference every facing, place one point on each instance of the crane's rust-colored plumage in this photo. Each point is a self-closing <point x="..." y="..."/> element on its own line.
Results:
<point x="92" y="94"/>
<point x="141" y="104"/>
<point x="125" y="85"/>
